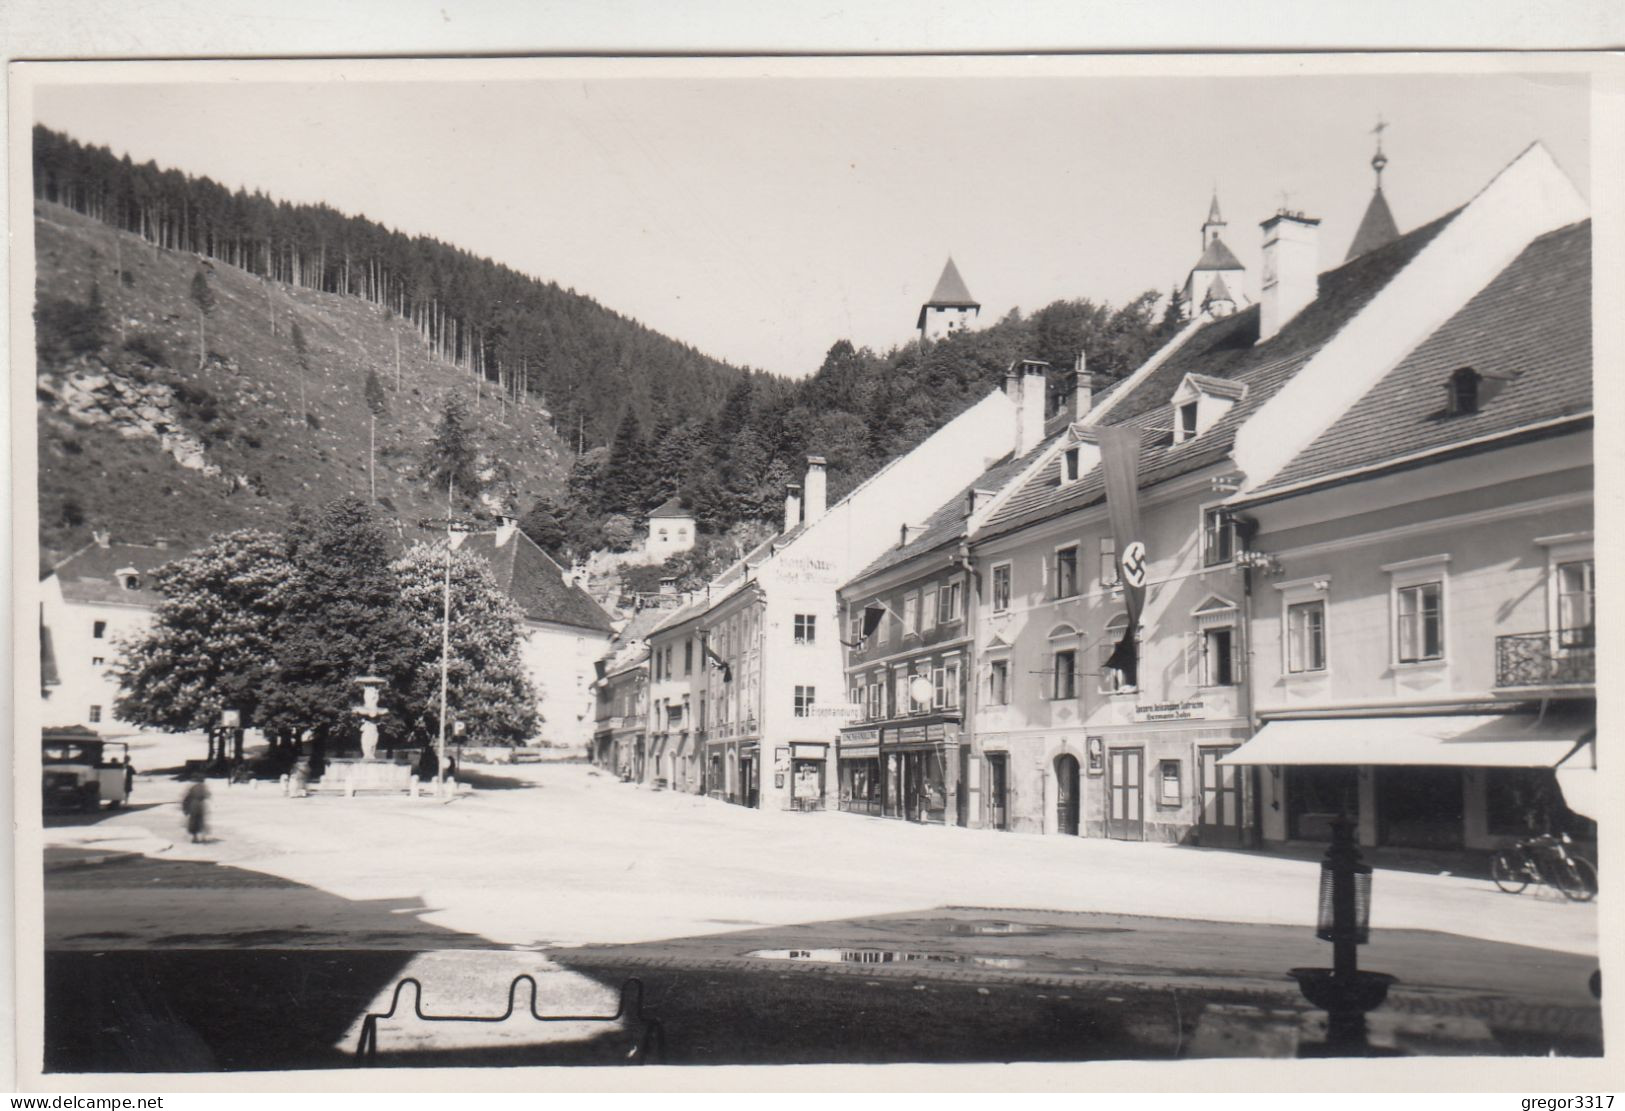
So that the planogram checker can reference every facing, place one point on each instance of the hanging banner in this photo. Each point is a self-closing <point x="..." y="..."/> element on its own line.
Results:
<point x="1120" y="467"/>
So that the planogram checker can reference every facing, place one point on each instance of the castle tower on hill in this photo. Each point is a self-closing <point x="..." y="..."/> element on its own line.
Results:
<point x="1206" y="289"/>
<point x="951" y="307"/>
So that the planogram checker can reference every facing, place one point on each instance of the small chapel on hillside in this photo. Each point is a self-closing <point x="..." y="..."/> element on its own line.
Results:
<point x="950" y="309"/>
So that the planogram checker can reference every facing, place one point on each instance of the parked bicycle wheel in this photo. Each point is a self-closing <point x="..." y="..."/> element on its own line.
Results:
<point x="1576" y="878"/>
<point x="1508" y="871"/>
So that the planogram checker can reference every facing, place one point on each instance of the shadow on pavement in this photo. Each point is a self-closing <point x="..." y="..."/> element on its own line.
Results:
<point x="203" y="1002"/>
<point x="56" y="819"/>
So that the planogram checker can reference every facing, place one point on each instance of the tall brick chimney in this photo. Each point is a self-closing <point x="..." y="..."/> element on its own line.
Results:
<point x="1030" y="405"/>
<point x="792" y="506"/>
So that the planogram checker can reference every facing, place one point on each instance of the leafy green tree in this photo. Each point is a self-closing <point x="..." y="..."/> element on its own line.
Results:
<point x="451" y="459"/>
<point x="64" y="328"/>
<point x="339" y="619"/>
<point x="488" y="687"/>
<point x="203" y="298"/>
<point x="210" y="643"/>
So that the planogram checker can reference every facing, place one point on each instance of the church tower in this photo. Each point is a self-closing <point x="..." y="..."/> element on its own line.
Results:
<point x="951" y="307"/>
<point x="1377" y="227"/>
<point x="1205" y="288"/>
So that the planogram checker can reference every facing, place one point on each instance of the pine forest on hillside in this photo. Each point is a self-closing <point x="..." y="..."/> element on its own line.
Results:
<point x="299" y="354"/>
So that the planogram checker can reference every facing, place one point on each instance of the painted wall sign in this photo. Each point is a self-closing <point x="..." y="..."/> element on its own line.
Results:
<point x="808" y="751"/>
<point x="860" y="736"/>
<point x="936" y="732"/>
<point x="1097" y="756"/>
<point x="910" y="734"/>
<point x="1191" y="709"/>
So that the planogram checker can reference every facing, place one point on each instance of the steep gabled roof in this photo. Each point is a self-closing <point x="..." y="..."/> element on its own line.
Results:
<point x="1377" y="227"/>
<point x="1217" y="291"/>
<point x="671" y="507"/>
<point x="91" y="573"/>
<point x="1227" y="349"/>
<point x="947" y="523"/>
<point x="1218" y="257"/>
<point x="536" y="583"/>
<point x="1528" y="333"/>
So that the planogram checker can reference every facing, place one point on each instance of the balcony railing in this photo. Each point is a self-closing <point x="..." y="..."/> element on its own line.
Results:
<point x="1543" y="660"/>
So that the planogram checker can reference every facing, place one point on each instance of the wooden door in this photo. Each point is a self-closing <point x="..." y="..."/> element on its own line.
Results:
<point x="1125" y="777"/>
<point x="998" y="816"/>
<point x="1220" y="822"/>
<point x="1067" y="800"/>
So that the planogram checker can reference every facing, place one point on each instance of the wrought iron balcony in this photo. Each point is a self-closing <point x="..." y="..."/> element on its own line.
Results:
<point x="1546" y="659"/>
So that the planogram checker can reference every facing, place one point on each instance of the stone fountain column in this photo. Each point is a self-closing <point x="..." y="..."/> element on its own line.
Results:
<point x="370" y="712"/>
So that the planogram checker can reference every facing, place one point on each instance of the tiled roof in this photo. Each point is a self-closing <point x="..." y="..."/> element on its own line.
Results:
<point x="951" y="289"/>
<point x="671" y="507"/>
<point x="91" y="573"/>
<point x="1218" y="257"/>
<point x="1377" y="227"/>
<point x="948" y="522"/>
<point x="537" y="584"/>
<point x="1528" y="333"/>
<point x="1226" y="348"/>
<point x="1217" y="291"/>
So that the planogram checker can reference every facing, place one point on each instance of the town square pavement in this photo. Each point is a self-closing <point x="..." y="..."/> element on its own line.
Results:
<point x="565" y="873"/>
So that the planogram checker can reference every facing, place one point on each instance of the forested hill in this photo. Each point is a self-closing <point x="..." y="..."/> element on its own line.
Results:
<point x="585" y="363"/>
<point x="179" y="399"/>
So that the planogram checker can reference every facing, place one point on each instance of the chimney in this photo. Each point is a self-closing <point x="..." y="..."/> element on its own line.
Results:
<point x="815" y="489"/>
<point x="792" y="506"/>
<point x="1030" y="405"/>
<point x="506" y="527"/>
<point x="1083" y="393"/>
<point x="1012" y="385"/>
<point x="103" y="539"/>
<point x="1291" y="269"/>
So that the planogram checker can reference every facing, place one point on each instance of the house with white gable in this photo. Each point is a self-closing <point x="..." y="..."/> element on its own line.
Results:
<point x="671" y="530"/>
<point x="91" y="601"/>
<point x="766" y="695"/>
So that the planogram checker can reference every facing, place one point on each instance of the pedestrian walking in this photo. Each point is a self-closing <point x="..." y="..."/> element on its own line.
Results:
<point x="129" y="778"/>
<point x="195" y="805"/>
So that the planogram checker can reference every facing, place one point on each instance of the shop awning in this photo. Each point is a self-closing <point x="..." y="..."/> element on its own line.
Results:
<point x="1451" y="740"/>
<point x="1577" y="778"/>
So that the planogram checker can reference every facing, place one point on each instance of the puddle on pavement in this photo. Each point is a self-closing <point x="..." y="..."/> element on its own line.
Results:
<point x="884" y="956"/>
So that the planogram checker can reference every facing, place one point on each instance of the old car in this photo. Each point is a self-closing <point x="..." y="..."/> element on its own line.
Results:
<point x="81" y="771"/>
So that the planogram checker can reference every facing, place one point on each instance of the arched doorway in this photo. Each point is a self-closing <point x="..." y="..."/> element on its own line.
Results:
<point x="1067" y="797"/>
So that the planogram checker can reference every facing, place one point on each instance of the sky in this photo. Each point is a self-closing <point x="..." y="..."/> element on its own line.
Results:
<point x="761" y="213"/>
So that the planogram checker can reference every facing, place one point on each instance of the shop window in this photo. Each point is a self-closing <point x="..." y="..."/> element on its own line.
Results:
<point x="1001" y="588"/>
<point x="998" y="683"/>
<point x="1576" y="604"/>
<point x="1306" y="636"/>
<point x="1316" y="795"/>
<point x="804" y="701"/>
<point x="806" y="625"/>
<point x="1066" y="674"/>
<point x="1520" y="802"/>
<point x="948" y="603"/>
<point x="1218" y="537"/>
<point x="1419" y="622"/>
<point x="1218" y="658"/>
<point x="1169" y="789"/>
<point x="1066" y="572"/>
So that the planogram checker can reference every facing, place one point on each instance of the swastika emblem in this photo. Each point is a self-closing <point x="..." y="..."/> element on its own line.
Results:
<point x="1134" y="564"/>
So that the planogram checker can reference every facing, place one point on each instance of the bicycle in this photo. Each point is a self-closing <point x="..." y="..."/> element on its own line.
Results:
<point x="1544" y="859"/>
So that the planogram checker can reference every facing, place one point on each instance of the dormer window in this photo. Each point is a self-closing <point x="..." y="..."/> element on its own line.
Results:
<point x="128" y="578"/>
<point x="1462" y="390"/>
<point x="1200" y="402"/>
<point x="1069" y="465"/>
<point x="1186" y="428"/>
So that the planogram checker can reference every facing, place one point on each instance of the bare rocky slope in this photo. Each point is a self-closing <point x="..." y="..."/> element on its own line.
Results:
<point x="138" y="439"/>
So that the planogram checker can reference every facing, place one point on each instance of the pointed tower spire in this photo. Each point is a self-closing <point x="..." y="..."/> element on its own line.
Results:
<point x="1214" y="221"/>
<point x="1377" y="226"/>
<point x="950" y="308"/>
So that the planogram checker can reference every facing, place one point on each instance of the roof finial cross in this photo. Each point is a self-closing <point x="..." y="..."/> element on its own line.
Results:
<point x="1379" y="160"/>
<point x="1286" y="203"/>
